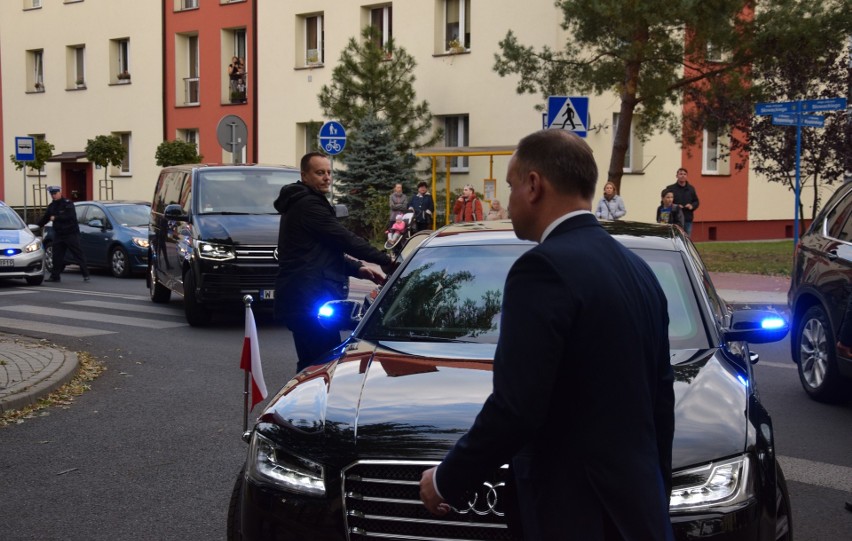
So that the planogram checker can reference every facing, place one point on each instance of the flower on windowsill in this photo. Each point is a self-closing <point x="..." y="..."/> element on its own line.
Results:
<point x="81" y="82"/>
<point x="123" y="76"/>
<point x="39" y="87"/>
<point x="454" y="46"/>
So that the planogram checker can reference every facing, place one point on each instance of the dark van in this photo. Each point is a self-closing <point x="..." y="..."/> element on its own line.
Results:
<point x="213" y="236"/>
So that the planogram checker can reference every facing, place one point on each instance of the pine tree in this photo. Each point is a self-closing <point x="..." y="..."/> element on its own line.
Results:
<point x="373" y="165"/>
<point x="379" y="78"/>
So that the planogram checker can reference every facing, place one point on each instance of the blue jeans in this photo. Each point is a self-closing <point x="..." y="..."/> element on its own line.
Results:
<point x="687" y="226"/>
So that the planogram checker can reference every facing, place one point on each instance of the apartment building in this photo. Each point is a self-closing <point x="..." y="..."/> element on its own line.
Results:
<point x="73" y="70"/>
<point x="180" y="51"/>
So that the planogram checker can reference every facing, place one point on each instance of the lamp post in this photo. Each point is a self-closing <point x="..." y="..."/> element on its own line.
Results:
<point x="847" y="174"/>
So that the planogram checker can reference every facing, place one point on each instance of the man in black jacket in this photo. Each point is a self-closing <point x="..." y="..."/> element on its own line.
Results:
<point x="66" y="233"/>
<point x="686" y="197"/>
<point x="312" y="266"/>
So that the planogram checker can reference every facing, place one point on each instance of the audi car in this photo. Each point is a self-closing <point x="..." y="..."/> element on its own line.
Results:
<point x="338" y="453"/>
<point x="21" y="251"/>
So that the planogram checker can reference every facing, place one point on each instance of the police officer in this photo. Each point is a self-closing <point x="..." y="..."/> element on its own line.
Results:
<point x="66" y="233"/>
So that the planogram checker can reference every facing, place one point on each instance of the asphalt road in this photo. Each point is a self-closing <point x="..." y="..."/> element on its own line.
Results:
<point x="152" y="450"/>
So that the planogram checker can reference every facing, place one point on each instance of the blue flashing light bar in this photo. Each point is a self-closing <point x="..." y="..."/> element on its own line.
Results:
<point x="772" y="323"/>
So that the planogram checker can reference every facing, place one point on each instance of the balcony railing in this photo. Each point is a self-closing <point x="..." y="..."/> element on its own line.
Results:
<point x="191" y="86"/>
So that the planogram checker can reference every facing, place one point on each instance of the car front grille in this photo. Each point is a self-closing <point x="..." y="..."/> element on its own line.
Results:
<point x="256" y="254"/>
<point x="382" y="501"/>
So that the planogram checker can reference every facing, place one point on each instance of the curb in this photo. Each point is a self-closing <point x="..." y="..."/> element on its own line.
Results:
<point x="32" y="371"/>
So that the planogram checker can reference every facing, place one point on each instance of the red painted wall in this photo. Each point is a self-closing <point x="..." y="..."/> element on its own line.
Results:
<point x="208" y="21"/>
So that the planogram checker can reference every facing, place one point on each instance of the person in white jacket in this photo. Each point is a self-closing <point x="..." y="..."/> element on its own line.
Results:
<point x="611" y="205"/>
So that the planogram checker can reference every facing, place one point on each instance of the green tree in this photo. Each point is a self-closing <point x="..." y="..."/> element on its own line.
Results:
<point x="372" y="77"/>
<point x="177" y="152"/>
<point x="374" y="164"/>
<point x="105" y="150"/>
<point x="653" y="52"/>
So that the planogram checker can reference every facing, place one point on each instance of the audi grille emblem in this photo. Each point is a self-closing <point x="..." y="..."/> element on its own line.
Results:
<point x="484" y="501"/>
<point x="275" y="254"/>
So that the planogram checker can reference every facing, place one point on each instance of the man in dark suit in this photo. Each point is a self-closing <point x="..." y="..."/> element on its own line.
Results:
<point x="582" y="404"/>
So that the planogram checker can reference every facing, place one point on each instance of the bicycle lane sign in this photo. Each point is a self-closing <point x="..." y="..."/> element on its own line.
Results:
<point x="332" y="137"/>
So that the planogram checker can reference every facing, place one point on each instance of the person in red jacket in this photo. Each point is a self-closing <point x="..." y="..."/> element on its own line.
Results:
<point x="468" y="207"/>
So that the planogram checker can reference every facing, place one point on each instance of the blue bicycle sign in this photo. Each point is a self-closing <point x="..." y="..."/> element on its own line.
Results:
<point x="332" y="137"/>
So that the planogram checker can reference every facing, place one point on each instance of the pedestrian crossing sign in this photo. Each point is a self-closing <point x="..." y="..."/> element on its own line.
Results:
<point x="570" y="113"/>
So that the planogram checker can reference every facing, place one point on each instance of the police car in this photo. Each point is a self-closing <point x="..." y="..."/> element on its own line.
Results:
<point x="21" y="251"/>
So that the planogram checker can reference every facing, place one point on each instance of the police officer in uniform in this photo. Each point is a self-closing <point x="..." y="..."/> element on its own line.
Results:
<point x="66" y="233"/>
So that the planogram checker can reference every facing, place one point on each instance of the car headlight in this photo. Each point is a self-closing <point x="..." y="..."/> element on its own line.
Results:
<point x="218" y="252"/>
<point x="268" y="463"/>
<point x="140" y="242"/>
<point x="718" y="483"/>
<point x="34" y="246"/>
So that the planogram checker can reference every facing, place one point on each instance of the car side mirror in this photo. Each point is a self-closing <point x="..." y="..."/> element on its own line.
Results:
<point x="341" y="211"/>
<point x="175" y="212"/>
<point x="340" y="315"/>
<point x="96" y="222"/>
<point x="756" y="327"/>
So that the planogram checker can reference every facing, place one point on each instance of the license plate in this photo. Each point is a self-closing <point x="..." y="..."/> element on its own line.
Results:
<point x="7" y="263"/>
<point x="267" y="294"/>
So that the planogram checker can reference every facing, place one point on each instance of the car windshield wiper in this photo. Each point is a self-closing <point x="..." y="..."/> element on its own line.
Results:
<point x="228" y="213"/>
<point x="416" y="338"/>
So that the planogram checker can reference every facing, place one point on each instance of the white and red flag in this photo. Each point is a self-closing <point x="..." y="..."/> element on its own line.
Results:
<point x="250" y="361"/>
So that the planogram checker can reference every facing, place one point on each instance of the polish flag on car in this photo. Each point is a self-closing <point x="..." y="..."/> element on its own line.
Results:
<point x="250" y="361"/>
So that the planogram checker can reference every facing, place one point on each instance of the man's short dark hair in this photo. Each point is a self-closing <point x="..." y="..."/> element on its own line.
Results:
<point x="665" y="191"/>
<point x="682" y="169"/>
<point x="422" y="184"/>
<point x="306" y="159"/>
<point x="561" y="157"/>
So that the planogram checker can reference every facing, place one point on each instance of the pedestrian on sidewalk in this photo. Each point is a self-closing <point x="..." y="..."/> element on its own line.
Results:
<point x="66" y="233"/>
<point x="611" y="206"/>
<point x="685" y="196"/>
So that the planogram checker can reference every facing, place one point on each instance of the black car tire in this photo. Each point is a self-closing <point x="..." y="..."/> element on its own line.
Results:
<point x="234" y="529"/>
<point x="119" y="262"/>
<point x="48" y="259"/>
<point x="34" y="280"/>
<point x="783" y="511"/>
<point x="157" y="291"/>
<point x="817" y="358"/>
<point x="196" y="313"/>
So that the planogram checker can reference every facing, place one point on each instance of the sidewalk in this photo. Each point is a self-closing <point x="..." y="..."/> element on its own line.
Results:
<point x="32" y="368"/>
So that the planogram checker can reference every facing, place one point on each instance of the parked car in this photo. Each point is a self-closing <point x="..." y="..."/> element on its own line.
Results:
<point x="338" y="453"/>
<point x="21" y="251"/>
<point x="213" y="236"/>
<point x="820" y="286"/>
<point x="113" y="235"/>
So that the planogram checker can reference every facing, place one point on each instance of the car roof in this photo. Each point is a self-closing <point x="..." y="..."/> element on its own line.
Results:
<point x="631" y="234"/>
<point x="116" y="202"/>
<point x="192" y="166"/>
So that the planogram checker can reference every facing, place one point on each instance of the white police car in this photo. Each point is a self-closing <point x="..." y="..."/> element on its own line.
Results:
<point x="21" y="251"/>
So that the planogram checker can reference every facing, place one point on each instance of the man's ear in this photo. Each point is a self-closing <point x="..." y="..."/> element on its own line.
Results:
<point x="535" y="186"/>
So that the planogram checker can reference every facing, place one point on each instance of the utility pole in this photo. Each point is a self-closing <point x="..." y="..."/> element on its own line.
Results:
<point x="847" y="174"/>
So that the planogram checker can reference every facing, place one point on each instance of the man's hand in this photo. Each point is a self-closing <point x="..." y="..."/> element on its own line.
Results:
<point x="367" y="273"/>
<point x="688" y="206"/>
<point x="433" y="502"/>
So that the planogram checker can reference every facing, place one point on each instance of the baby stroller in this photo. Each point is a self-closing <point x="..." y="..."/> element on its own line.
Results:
<point x="395" y="238"/>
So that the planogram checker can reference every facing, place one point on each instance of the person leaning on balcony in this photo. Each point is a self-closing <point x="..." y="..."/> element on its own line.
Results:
<point x="236" y="70"/>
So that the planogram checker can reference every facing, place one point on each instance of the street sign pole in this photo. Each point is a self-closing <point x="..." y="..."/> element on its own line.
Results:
<point x="25" y="152"/>
<point x="798" y="189"/>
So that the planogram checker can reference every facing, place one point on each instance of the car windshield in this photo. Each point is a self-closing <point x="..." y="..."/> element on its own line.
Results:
<point x="131" y="215"/>
<point x="9" y="219"/>
<point x="243" y="191"/>
<point x="456" y="293"/>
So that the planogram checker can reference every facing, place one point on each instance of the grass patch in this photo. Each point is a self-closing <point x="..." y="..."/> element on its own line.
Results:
<point x="773" y="258"/>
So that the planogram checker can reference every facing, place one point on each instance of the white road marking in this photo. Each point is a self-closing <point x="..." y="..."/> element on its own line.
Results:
<point x="817" y="473"/>
<point x="91" y="316"/>
<point x="16" y="292"/>
<point x="150" y="309"/>
<point x="790" y="365"/>
<point x="50" y="328"/>
<point x="94" y="293"/>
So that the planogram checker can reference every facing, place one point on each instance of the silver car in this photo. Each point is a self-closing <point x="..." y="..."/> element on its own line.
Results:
<point x="21" y="251"/>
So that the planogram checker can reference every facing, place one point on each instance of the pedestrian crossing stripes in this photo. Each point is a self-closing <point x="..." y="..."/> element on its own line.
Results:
<point x="91" y="316"/>
<point x="51" y="328"/>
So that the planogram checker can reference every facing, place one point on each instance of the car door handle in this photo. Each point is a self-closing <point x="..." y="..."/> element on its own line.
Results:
<point x="832" y="254"/>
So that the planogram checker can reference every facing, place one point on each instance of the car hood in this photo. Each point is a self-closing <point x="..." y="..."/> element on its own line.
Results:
<point x="16" y="237"/>
<point x="391" y="400"/>
<point x="238" y="228"/>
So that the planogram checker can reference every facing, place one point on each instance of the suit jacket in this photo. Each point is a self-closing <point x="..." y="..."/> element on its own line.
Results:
<point x="587" y="427"/>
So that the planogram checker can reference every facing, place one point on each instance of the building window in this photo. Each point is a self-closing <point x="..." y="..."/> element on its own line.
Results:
<point x="119" y="61"/>
<point x="124" y="167"/>
<point x="76" y="62"/>
<point x="714" y="53"/>
<point x="187" y="69"/>
<point x="309" y="134"/>
<point x="713" y="152"/>
<point x="457" y="24"/>
<point x="633" y="157"/>
<point x="35" y="70"/>
<point x="381" y="19"/>
<point x="314" y="39"/>
<point x="456" y="135"/>
<point x="32" y="4"/>
<point x="185" y="4"/>
<point x="235" y="62"/>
